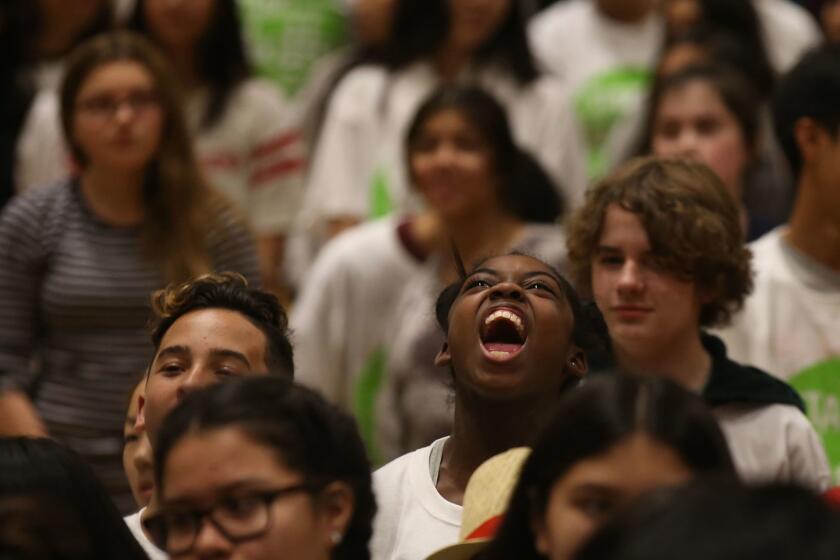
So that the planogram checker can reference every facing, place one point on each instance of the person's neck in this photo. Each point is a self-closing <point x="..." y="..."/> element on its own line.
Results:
<point x="812" y="230"/>
<point x="482" y="234"/>
<point x="55" y="39"/>
<point x="450" y="60"/>
<point x="184" y="62"/>
<point x="619" y="16"/>
<point x="482" y="429"/>
<point x="684" y="360"/>
<point x="115" y="196"/>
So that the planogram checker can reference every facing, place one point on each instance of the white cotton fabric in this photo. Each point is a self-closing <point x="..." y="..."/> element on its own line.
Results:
<point x="774" y="443"/>
<point x="412" y="520"/>
<point x="790" y="321"/>
<point x="133" y="522"/>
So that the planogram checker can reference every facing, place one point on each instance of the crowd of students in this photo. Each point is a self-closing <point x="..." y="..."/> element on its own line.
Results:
<point x="495" y="283"/>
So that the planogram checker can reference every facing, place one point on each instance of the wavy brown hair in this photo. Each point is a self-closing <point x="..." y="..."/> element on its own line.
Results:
<point x="180" y="208"/>
<point x="692" y="224"/>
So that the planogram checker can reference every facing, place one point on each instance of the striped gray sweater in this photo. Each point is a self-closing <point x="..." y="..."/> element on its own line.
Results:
<point x="74" y="304"/>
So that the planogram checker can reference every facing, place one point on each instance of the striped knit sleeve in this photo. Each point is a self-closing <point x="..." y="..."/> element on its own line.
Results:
<point x="232" y="246"/>
<point x="22" y="261"/>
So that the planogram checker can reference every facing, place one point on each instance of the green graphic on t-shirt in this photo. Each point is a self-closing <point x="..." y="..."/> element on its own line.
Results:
<point x="286" y="37"/>
<point x="364" y="401"/>
<point x="819" y="386"/>
<point x="381" y="203"/>
<point x="601" y="103"/>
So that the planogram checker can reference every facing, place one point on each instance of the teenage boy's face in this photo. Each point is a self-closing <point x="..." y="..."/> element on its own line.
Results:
<point x="201" y="348"/>
<point x="644" y="306"/>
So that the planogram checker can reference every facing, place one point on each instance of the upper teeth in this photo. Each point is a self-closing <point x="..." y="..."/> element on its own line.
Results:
<point x="512" y="317"/>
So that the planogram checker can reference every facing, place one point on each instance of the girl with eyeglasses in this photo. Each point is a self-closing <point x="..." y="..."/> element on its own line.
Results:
<point x="261" y="469"/>
<point x="79" y="259"/>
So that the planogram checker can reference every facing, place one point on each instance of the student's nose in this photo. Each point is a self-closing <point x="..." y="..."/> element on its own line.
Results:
<point x="630" y="278"/>
<point x="196" y="378"/>
<point x="143" y="454"/>
<point x="210" y="542"/>
<point x="507" y="290"/>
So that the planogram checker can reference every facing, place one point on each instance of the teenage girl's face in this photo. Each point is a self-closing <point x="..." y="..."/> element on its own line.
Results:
<point x="226" y="468"/>
<point x="452" y="167"/>
<point x="117" y="119"/>
<point x="510" y="331"/>
<point x="137" y="453"/>
<point x="474" y="22"/>
<point x="178" y="24"/>
<point x="692" y="121"/>
<point x="594" y="488"/>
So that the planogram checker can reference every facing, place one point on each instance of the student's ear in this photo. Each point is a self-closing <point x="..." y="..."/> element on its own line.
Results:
<point x="140" y="421"/>
<point x="443" y="357"/>
<point x="576" y="363"/>
<point x="336" y="504"/>
<point x="540" y="532"/>
<point x="807" y="134"/>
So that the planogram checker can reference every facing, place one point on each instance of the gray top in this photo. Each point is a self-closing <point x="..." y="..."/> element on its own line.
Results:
<point x="74" y="305"/>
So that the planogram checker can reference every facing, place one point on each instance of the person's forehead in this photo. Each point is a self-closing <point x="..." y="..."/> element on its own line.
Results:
<point x="213" y="325"/>
<point x="517" y="264"/>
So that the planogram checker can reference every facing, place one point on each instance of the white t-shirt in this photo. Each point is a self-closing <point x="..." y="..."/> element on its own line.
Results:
<point x="342" y="316"/>
<point x="359" y="169"/>
<point x="789" y="327"/>
<point x="253" y="153"/>
<point x="789" y="31"/>
<point x="774" y="443"/>
<point x="607" y="66"/>
<point x="412" y="520"/>
<point x="133" y="522"/>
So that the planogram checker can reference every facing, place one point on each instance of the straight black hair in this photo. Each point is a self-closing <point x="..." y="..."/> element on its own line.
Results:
<point x="525" y="189"/>
<point x="41" y="468"/>
<point x="421" y="27"/>
<point x="222" y="61"/>
<point x="592" y="419"/>
<point x="306" y="433"/>
<point x="811" y="89"/>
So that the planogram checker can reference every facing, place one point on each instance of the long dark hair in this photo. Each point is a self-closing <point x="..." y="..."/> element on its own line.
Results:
<point x="311" y="436"/>
<point x="526" y="190"/>
<point x="43" y="469"/>
<point x="221" y="59"/>
<point x="592" y="419"/>
<point x="421" y="26"/>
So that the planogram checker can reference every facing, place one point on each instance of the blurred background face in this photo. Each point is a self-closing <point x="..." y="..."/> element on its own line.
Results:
<point x="451" y="164"/>
<point x="373" y="20"/>
<point x="830" y="19"/>
<point x="693" y="122"/>
<point x="680" y="15"/>
<point x="474" y="22"/>
<point x="595" y="488"/>
<point x="117" y="118"/>
<point x="225" y="466"/>
<point x="137" y="454"/>
<point x="178" y="24"/>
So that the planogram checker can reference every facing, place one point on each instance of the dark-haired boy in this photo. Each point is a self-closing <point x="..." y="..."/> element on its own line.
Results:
<point x="790" y="325"/>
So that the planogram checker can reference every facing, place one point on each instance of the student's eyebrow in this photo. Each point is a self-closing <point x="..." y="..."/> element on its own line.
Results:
<point x="607" y="249"/>
<point x="228" y="353"/>
<point x="482" y="270"/>
<point x="176" y="350"/>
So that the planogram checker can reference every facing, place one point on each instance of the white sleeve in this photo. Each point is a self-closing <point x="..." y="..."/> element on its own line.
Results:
<point x="42" y="157"/>
<point x="342" y="163"/>
<point x="319" y="325"/>
<point x="276" y="161"/>
<point x="808" y="461"/>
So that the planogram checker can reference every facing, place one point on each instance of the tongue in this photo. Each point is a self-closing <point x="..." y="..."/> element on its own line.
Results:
<point x="506" y="347"/>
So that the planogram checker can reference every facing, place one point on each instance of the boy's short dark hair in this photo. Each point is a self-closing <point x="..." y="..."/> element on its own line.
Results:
<point x="228" y="290"/>
<point x="811" y="89"/>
